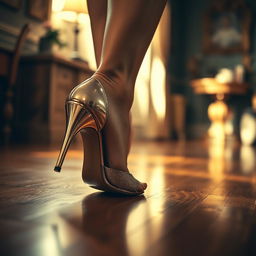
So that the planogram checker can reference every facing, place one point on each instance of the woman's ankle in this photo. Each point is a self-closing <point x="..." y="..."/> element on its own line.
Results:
<point x="117" y="82"/>
<point x="108" y="78"/>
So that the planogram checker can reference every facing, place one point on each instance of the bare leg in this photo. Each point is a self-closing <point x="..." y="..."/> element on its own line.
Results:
<point x="98" y="15"/>
<point x="128" y="32"/>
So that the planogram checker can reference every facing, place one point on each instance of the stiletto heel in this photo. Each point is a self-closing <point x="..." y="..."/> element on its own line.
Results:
<point x="87" y="110"/>
<point x="85" y="107"/>
<point x="77" y="117"/>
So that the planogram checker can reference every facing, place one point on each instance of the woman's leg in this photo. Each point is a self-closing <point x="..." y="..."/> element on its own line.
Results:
<point x="128" y="32"/>
<point x="98" y="15"/>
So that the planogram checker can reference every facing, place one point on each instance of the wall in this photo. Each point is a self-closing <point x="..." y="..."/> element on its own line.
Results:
<point x="85" y="43"/>
<point x="11" y="21"/>
<point x="186" y="41"/>
<point x="187" y="33"/>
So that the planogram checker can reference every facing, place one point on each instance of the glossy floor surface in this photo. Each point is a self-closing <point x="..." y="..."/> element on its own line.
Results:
<point x="200" y="201"/>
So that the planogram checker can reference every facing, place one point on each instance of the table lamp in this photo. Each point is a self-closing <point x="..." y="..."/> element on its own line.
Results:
<point x="76" y="7"/>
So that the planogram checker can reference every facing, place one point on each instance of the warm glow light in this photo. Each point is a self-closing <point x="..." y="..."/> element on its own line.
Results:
<point x="212" y="86"/>
<point x="152" y="209"/>
<point x="247" y="156"/>
<point x="141" y="88"/>
<point x="153" y="159"/>
<point x="216" y="164"/>
<point x="70" y="10"/>
<point x="48" y="244"/>
<point x="57" y="5"/>
<point x="73" y="17"/>
<point x="217" y="112"/>
<point x="248" y="129"/>
<point x="217" y="131"/>
<point x="229" y="128"/>
<point x="224" y="76"/>
<point x="77" y="6"/>
<point x="157" y="87"/>
<point x="77" y="154"/>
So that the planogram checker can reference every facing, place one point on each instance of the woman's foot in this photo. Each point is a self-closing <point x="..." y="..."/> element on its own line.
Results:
<point x="116" y="132"/>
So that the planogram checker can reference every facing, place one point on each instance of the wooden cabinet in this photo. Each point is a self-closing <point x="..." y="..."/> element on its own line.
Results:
<point x="44" y="83"/>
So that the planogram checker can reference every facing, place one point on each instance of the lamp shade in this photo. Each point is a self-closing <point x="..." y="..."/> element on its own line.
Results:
<point x="77" y="6"/>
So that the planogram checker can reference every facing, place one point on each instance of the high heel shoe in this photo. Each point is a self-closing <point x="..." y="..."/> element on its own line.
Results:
<point x="87" y="112"/>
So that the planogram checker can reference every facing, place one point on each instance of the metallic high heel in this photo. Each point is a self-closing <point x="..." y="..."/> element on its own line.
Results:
<point x="87" y="110"/>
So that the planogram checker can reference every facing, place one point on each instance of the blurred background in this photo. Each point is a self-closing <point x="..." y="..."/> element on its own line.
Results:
<point x="197" y="80"/>
<point x="193" y="127"/>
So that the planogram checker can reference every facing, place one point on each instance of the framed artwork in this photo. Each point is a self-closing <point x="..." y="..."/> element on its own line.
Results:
<point x="39" y="9"/>
<point x="227" y="28"/>
<point x="12" y="3"/>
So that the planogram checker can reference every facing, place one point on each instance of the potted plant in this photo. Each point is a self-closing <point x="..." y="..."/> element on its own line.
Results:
<point x="50" y="39"/>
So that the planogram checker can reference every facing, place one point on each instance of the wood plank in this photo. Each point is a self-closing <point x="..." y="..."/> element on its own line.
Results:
<point x="197" y="203"/>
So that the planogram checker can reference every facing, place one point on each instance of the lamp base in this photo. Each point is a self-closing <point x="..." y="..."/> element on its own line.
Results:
<point x="75" y="56"/>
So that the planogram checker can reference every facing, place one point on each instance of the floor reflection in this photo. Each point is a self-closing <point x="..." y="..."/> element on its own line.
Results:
<point x="220" y="159"/>
<point x="104" y="221"/>
<point x="225" y="159"/>
<point x="200" y="200"/>
<point x="247" y="156"/>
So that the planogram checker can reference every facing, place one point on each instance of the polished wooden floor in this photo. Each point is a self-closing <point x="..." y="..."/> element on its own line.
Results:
<point x="200" y="201"/>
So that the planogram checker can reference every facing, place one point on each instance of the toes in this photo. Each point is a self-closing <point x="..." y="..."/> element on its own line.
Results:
<point x="124" y="180"/>
<point x="142" y="187"/>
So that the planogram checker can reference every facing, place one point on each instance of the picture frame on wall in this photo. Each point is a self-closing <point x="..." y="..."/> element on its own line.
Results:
<point x="227" y="28"/>
<point x="39" y="9"/>
<point x="16" y="4"/>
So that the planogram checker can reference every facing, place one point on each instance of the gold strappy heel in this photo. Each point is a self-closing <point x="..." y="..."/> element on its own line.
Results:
<point x="87" y="111"/>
